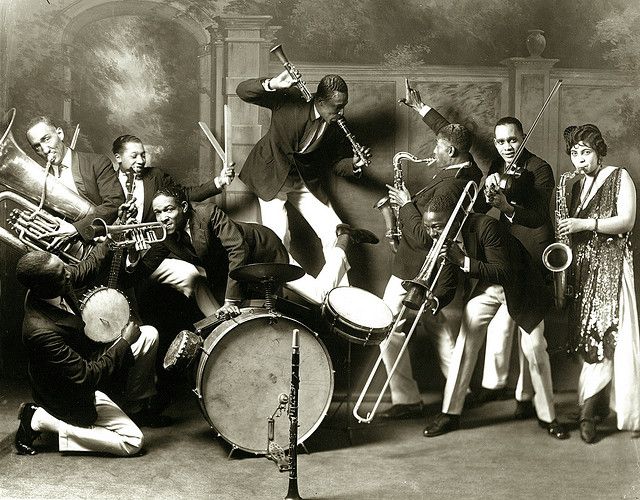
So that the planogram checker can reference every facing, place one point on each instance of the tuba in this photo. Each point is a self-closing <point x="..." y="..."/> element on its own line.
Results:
<point x="558" y="256"/>
<point x="419" y="292"/>
<point x="391" y="211"/>
<point x="28" y="183"/>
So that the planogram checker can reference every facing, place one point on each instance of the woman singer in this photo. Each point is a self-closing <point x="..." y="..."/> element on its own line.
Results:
<point x="603" y="314"/>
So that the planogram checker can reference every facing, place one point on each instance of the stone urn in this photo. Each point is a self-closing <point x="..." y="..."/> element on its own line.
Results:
<point x="536" y="43"/>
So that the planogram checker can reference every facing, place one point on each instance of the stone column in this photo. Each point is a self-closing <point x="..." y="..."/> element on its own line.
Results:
<point x="530" y="82"/>
<point x="241" y="51"/>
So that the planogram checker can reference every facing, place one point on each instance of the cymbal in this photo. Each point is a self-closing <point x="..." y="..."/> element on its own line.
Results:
<point x="267" y="272"/>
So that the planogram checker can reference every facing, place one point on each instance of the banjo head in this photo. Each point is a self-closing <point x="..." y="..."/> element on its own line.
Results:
<point x="105" y="312"/>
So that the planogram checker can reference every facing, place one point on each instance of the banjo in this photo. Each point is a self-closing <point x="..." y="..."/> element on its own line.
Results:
<point x="105" y="310"/>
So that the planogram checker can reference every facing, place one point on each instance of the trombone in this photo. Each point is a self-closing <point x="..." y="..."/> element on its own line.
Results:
<point x="419" y="294"/>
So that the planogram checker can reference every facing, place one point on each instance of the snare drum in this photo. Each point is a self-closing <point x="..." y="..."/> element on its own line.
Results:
<point x="357" y="315"/>
<point x="245" y="367"/>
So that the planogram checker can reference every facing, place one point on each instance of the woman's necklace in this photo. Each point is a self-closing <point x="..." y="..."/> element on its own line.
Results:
<point x="585" y="200"/>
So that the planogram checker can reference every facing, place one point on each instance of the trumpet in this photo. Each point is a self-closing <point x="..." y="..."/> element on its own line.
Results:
<point x="391" y="211"/>
<point x="358" y="149"/>
<point x="293" y="72"/>
<point x="420" y="294"/>
<point x="123" y="235"/>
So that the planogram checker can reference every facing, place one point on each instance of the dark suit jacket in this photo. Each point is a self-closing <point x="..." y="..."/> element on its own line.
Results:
<point x="412" y="250"/>
<point x="217" y="242"/>
<point x="497" y="257"/>
<point x="275" y="154"/>
<point x="531" y="195"/>
<point x="65" y="367"/>
<point x="154" y="179"/>
<point x="97" y="181"/>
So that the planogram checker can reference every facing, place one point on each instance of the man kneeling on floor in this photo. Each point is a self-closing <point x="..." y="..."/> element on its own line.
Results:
<point x="70" y="374"/>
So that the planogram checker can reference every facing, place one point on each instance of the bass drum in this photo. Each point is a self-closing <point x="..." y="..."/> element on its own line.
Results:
<point x="244" y="368"/>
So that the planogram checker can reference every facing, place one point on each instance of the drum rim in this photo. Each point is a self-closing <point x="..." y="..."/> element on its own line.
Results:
<point x="355" y="326"/>
<point x="255" y="313"/>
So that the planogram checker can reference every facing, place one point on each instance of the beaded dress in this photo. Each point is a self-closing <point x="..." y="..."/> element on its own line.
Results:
<point x="603" y="314"/>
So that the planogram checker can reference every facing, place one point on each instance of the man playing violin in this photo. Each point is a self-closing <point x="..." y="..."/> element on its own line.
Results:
<point x="524" y="210"/>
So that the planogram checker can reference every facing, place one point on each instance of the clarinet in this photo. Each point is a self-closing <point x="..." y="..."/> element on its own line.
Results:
<point x="358" y="149"/>
<point x="292" y="493"/>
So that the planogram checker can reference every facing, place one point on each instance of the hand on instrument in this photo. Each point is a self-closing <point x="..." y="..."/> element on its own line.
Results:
<point x="571" y="225"/>
<point x="412" y="97"/>
<point x="65" y="231"/>
<point x="282" y="81"/>
<point x="128" y="211"/>
<point x="131" y="332"/>
<point x="496" y="198"/>
<point x="228" y="310"/>
<point x="399" y="197"/>
<point x="226" y="176"/>
<point x="359" y="162"/>
<point x="453" y="253"/>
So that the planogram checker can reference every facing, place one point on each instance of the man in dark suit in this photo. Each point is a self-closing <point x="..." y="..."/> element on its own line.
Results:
<point x="71" y="376"/>
<point x="142" y="182"/>
<point x="500" y="275"/>
<point x="302" y="142"/>
<point x="88" y="174"/>
<point x="207" y="237"/>
<point x="454" y="167"/>
<point x="524" y="211"/>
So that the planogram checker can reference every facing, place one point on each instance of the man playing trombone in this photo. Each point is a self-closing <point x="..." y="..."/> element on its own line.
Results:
<point x="500" y="276"/>
<point x="454" y="167"/>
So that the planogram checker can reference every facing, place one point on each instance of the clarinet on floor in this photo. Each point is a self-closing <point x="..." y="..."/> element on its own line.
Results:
<point x="292" y="493"/>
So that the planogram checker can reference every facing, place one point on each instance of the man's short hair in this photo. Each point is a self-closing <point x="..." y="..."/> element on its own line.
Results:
<point x="173" y="191"/>
<point x="458" y="136"/>
<point x="443" y="202"/>
<point x="46" y="119"/>
<point x="34" y="272"/>
<point x="510" y="120"/>
<point x="122" y="141"/>
<point x="329" y="85"/>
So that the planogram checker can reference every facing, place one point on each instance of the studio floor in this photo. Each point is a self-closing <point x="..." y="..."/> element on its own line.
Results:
<point x="491" y="456"/>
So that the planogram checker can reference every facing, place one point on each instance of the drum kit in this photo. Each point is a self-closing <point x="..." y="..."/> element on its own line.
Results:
<point x="242" y="364"/>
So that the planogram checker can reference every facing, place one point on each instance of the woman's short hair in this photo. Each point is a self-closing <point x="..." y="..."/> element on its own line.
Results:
<point x="587" y="134"/>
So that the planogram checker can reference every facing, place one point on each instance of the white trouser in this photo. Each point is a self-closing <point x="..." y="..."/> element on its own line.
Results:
<point x="403" y="387"/>
<point x="476" y="316"/>
<point x="322" y="218"/>
<point x="113" y="432"/>
<point x="189" y="280"/>
<point x="330" y="276"/>
<point x="500" y="334"/>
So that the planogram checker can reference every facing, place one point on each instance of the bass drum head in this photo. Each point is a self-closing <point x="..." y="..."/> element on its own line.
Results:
<point x="246" y="366"/>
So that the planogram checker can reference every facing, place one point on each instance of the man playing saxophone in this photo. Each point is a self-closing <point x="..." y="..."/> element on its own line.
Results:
<point x="454" y="167"/>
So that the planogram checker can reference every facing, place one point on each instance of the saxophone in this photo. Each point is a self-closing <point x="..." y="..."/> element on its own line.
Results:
<point x="391" y="211"/>
<point x="558" y="256"/>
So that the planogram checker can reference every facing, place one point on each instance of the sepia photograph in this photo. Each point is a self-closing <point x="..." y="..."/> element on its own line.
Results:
<point x="357" y="249"/>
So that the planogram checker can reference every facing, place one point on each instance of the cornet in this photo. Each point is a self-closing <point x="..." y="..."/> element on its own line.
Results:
<point x="419" y="294"/>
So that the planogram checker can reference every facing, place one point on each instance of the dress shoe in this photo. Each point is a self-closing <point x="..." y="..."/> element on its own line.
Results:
<point x="555" y="429"/>
<point x="524" y="410"/>
<point x="588" y="431"/>
<point x="402" y="411"/>
<point x="443" y="423"/>
<point x="357" y="235"/>
<point x="25" y="435"/>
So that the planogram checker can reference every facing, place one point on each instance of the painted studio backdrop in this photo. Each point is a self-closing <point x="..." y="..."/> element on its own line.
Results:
<point x="155" y="68"/>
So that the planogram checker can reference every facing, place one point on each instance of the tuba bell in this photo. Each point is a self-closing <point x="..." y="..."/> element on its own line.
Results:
<point x="28" y="183"/>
